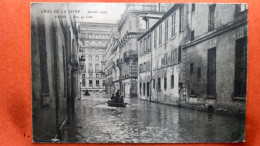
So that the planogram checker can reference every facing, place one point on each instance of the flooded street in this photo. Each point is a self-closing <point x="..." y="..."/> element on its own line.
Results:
<point x="143" y="122"/>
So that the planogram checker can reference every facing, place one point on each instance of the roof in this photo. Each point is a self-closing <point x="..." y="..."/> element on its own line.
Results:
<point x="168" y="13"/>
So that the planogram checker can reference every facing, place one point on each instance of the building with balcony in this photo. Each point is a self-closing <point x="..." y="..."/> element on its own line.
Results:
<point x="94" y="38"/>
<point x="133" y="23"/>
<point x="111" y="68"/>
<point x="196" y="56"/>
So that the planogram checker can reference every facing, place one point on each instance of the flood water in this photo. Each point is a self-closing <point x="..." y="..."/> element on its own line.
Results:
<point x="145" y="122"/>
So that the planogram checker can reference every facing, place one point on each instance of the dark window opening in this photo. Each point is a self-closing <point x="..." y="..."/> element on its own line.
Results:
<point x="212" y="17"/>
<point x="241" y="67"/>
<point x="192" y="8"/>
<point x="165" y="83"/>
<point x="154" y="83"/>
<point x="191" y="68"/>
<point x="159" y="84"/>
<point x="179" y="54"/>
<point x="172" y="81"/>
<point x="192" y="35"/>
<point x="143" y="88"/>
<point x="211" y="74"/>
<point x="140" y="88"/>
<point x="199" y="73"/>
<point x="148" y="89"/>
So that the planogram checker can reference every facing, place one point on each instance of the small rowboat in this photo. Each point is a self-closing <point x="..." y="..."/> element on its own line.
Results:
<point x="112" y="103"/>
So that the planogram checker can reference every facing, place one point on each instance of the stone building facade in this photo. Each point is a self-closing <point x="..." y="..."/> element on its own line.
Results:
<point x="54" y="44"/>
<point x="131" y="26"/>
<point x="196" y="56"/>
<point x="93" y="41"/>
<point x="111" y="69"/>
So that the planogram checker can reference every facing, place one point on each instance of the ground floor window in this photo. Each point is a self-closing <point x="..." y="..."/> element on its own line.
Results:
<point x="241" y="67"/>
<point x="211" y="74"/>
<point x="144" y="88"/>
<point x="140" y="88"/>
<point x="165" y="83"/>
<point x="148" y="89"/>
<point x="172" y="81"/>
<point x="159" y="85"/>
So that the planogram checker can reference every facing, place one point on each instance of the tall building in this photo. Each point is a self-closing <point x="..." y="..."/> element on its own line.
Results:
<point x="54" y="45"/>
<point x="93" y="40"/>
<point x="133" y="23"/>
<point x="111" y="69"/>
<point x="196" y="56"/>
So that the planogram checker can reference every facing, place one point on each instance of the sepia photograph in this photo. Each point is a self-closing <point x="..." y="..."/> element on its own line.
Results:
<point x="139" y="72"/>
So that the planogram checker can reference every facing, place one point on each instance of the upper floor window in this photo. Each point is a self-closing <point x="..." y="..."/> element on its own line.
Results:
<point x="166" y="29"/>
<point x="192" y="8"/>
<point x="173" y="24"/>
<point x="155" y="38"/>
<point x="160" y="35"/>
<point x="212" y="17"/>
<point x="148" y="43"/>
<point x="181" y="18"/>
<point x="97" y="58"/>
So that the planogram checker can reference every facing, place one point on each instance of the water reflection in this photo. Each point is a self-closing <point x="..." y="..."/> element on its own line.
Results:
<point x="145" y="122"/>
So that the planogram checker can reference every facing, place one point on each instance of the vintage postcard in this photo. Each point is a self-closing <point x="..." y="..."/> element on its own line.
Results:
<point x="139" y="72"/>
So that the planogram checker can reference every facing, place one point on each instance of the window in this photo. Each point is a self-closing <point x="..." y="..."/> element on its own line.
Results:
<point x="97" y="58"/>
<point x="191" y="68"/>
<point x="179" y="54"/>
<point x="97" y="68"/>
<point x="97" y="75"/>
<point x="173" y="24"/>
<point x="83" y="75"/>
<point x="97" y="82"/>
<point x="198" y="72"/>
<point x="148" y="44"/>
<point x="160" y="35"/>
<point x="140" y="86"/>
<point x="166" y="58"/>
<point x="148" y="89"/>
<point x="166" y="29"/>
<point x="172" y="81"/>
<point x="212" y="17"/>
<point x="90" y="83"/>
<point x="211" y="74"/>
<point x="90" y="69"/>
<point x="159" y="84"/>
<point x="155" y="38"/>
<point x="141" y="47"/>
<point x="165" y="83"/>
<point x="192" y="8"/>
<point x="90" y="57"/>
<point x="181" y="18"/>
<point x="154" y="83"/>
<point x="145" y="45"/>
<point x="143" y="88"/>
<point x="90" y="75"/>
<point x="241" y="67"/>
<point x="83" y="82"/>
<point x="192" y="35"/>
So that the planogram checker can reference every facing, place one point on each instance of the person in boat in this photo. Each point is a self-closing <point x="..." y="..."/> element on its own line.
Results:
<point x="113" y="97"/>
<point x="86" y="92"/>
<point x="117" y="98"/>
